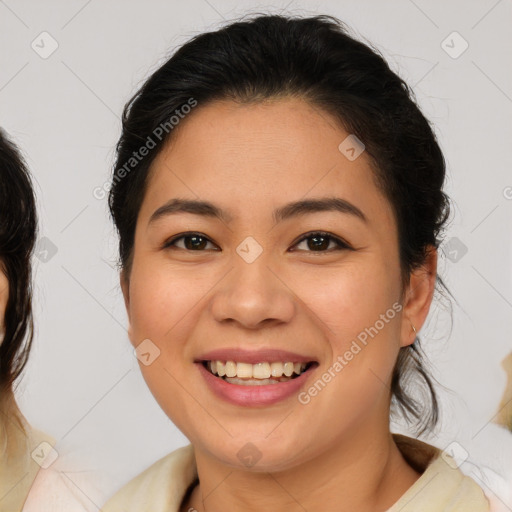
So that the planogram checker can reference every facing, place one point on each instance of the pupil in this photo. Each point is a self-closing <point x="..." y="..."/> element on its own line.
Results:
<point x="319" y="242"/>
<point x="195" y="242"/>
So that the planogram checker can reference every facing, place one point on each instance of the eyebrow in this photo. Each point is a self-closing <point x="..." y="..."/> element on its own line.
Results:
<point x="294" y="209"/>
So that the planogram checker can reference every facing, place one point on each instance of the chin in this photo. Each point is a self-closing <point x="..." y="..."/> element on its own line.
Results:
<point x="256" y="454"/>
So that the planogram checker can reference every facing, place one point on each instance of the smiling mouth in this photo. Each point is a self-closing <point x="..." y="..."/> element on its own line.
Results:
<point x="259" y="374"/>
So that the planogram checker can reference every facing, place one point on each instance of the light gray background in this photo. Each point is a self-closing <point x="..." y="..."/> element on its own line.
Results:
<point x="83" y="385"/>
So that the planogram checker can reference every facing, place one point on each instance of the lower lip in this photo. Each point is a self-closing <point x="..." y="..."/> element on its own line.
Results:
<point x="250" y="396"/>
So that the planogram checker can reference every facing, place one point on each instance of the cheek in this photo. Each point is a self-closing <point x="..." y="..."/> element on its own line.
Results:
<point x="359" y="313"/>
<point x="158" y="312"/>
<point x="157" y="300"/>
<point x="348" y="300"/>
<point x="165" y="305"/>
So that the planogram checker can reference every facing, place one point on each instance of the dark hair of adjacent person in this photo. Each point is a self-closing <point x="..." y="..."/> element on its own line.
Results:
<point x="18" y="225"/>
<point x="267" y="57"/>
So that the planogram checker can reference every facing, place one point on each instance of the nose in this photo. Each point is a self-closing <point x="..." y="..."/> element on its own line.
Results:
<point x="253" y="295"/>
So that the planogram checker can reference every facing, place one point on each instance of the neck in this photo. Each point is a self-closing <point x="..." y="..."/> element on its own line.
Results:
<point x="364" y="471"/>
<point x="12" y="426"/>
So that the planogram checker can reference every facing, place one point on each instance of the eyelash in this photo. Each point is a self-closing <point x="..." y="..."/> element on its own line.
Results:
<point x="340" y="244"/>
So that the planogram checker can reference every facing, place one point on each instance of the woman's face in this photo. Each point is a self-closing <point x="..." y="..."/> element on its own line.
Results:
<point x="253" y="281"/>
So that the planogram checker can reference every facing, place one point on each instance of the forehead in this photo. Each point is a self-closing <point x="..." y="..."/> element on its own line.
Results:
<point x="264" y="154"/>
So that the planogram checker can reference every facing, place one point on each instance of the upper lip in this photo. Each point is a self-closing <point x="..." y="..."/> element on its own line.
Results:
<point x="269" y="355"/>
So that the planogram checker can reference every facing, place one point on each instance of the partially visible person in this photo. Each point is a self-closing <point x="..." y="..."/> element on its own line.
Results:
<point x="491" y="448"/>
<point x="23" y="449"/>
<point x="36" y="473"/>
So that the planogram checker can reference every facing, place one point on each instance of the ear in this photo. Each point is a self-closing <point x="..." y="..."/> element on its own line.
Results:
<point x="124" y="281"/>
<point x="418" y="297"/>
<point x="125" y="288"/>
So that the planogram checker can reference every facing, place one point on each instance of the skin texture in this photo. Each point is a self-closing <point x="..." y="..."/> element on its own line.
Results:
<point x="335" y="453"/>
<point x="4" y="295"/>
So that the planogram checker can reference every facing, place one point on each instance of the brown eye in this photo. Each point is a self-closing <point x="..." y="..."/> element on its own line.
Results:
<point x="189" y="242"/>
<point x="321" y="242"/>
<point x="318" y="242"/>
<point x="194" y="243"/>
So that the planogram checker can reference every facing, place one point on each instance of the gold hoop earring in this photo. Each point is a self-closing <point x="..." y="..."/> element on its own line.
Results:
<point x="414" y="328"/>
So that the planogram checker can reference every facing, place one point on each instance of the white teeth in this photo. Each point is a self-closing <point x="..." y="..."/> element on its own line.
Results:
<point x="276" y="369"/>
<point x="255" y="382"/>
<point x="230" y="369"/>
<point x="288" y="369"/>
<point x="243" y="370"/>
<point x="261" y="371"/>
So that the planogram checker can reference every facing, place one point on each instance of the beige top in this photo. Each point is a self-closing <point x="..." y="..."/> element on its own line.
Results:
<point x="441" y="487"/>
<point x="28" y="452"/>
